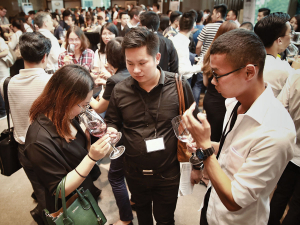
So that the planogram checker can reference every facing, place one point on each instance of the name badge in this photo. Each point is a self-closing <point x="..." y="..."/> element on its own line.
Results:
<point x="155" y="144"/>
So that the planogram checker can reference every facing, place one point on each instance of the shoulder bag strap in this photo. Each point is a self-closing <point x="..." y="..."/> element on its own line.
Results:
<point x="5" y="91"/>
<point x="182" y="94"/>
<point x="179" y="93"/>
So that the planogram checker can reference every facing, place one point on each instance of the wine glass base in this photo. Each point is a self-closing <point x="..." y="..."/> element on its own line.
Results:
<point x="116" y="154"/>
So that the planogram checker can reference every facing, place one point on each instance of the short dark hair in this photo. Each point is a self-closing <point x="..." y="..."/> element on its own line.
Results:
<point x="66" y="13"/>
<point x="241" y="47"/>
<point x="199" y="17"/>
<point x="174" y="15"/>
<point x="18" y="23"/>
<point x="33" y="46"/>
<point x="156" y="5"/>
<point x="222" y="9"/>
<point x="82" y="10"/>
<point x="247" y="25"/>
<point x="123" y="13"/>
<point x="139" y="37"/>
<point x="206" y="10"/>
<point x="150" y="20"/>
<point x="271" y="27"/>
<point x="164" y="22"/>
<point x="40" y="18"/>
<point x="112" y="28"/>
<point x="99" y="17"/>
<point x="114" y="54"/>
<point x="31" y="12"/>
<point x="84" y="40"/>
<point x="235" y="12"/>
<point x="265" y="11"/>
<point x="186" y="22"/>
<point x="135" y="11"/>
<point x="1" y="7"/>
<point x="194" y="13"/>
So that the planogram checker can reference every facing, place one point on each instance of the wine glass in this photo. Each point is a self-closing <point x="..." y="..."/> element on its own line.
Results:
<point x="183" y="135"/>
<point x="98" y="128"/>
<point x="292" y="52"/>
<point x="71" y="50"/>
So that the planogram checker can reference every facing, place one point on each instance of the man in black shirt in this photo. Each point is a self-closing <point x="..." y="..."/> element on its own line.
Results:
<point x="143" y="106"/>
<point x="169" y="57"/>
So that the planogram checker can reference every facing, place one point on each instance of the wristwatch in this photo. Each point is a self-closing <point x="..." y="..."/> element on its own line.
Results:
<point x="203" y="154"/>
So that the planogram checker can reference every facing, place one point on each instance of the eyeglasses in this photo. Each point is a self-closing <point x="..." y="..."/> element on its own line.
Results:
<point x="83" y="109"/>
<point x="216" y="76"/>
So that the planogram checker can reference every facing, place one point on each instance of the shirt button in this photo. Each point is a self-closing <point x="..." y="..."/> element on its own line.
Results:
<point x="147" y="125"/>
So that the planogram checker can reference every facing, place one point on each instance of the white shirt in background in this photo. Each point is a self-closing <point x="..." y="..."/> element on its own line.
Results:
<point x="185" y="68"/>
<point x="23" y="90"/>
<point x="290" y="98"/>
<point x="4" y="70"/>
<point x="14" y="40"/>
<point x="254" y="155"/>
<point x="276" y="71"/>
<point x="54" y="52"/>
<point x="100" y="61"/>
<point x="27" y="28"/>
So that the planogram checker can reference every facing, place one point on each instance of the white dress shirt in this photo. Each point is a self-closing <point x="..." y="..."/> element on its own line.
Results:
<point x="254" y="155"/>
<point x="276" y="71"/>
<point x="54" y="52"/>
<point x="289" y="97"/>
<point x="4" y="69"/>
<point x="14" y="40"/>
<point x="181" y="44"/>
<point x="23" y="90"/>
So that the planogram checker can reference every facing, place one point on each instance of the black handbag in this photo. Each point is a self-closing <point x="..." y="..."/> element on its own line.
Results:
<point x="80" y="209"/>
<point x="9" y="161"/>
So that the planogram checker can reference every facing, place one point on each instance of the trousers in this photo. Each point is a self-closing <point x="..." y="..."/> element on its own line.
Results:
<point x="288" y="187"/>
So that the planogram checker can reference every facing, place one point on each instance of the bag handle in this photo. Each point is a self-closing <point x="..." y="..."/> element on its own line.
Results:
<point x="178" y="79"/>
<point x="5" y="91"/>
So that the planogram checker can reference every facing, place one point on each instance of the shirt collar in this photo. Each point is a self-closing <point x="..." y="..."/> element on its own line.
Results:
<point x="44" y="30"/>
<point x="47" y="124"/>
<point x="260" y="106"/>
<point x="161" y="81"/>
<point x="32" y="71"/>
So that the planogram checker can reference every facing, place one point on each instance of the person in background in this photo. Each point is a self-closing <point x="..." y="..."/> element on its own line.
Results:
<point x="232" y="15"/>
<point x="122" y="26"/>
<point x="295" y="22"/>
<point x="81" y="17"/>
<point x="247" y="26"/>
<point x="164" y="22"/>
<point x="262" y="12"/>
<point x="3" y="19"/>
<point x="169" y="13"/>
<point x="66" y="21"/>
<point x="88" y="23"/>
<point x="23" y="89"/>
<point x="55" y="144"/>
<point x="99" y="24"/>
<point x="155" y="8"/>
<point x="169" y="57"/>
<point x="206" y="13"/>
<point x="134" y="17"/>
<point x="209" y="31"/>
<point x="172" y="30"/>
<point x="275" y="32"/>
<point x="82" y="54"/>
<point x="58" y="30"/>
<point x="28" y="24"/>
<point x="45" y="24"/>
<point x="198" y="28"/>
<point x="32" y="15"/>
<point x="114" y="13"/>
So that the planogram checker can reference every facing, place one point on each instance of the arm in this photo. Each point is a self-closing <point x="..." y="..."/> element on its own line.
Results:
<point x="201" y="39"/>
<point x="99" y="106"/>
<point x="4" y="53"/>
<point x="113" y="117"/>
<point x="185" y="66"/>
<point x="13" y="42"/>
<point x="198" y="47"/>
<point x="205" y="80"/>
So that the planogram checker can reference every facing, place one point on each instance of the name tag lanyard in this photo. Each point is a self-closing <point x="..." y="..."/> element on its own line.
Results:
<point x="147" y="110"/>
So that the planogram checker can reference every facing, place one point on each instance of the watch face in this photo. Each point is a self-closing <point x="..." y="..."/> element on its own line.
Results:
<point x="200" y="154"/>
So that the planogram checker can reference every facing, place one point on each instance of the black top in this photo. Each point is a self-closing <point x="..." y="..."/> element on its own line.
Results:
<point x="113" y="80"/>
<point x="53" y="158"/>
<point x="126" y="110"/>
<point x="57" y="30"/>
<point x="169" y="58"/>
<point x="124" y="31"/>
<point x="64" y="25"/>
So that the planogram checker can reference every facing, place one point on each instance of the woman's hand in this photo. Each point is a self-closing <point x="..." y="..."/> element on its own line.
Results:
<point x="100" y="148"/>
<point x="110" y="69"/>
<point x="105" y="75"/>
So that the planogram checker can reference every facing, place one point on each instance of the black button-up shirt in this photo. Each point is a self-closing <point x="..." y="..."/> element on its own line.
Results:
<point x="126" y="110"/>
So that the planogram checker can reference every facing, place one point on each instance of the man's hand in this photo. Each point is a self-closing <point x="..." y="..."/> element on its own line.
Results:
<point x="200" y="131"/>
<point x="196" y="176"/>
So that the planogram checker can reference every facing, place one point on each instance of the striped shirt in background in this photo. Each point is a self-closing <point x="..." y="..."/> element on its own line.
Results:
<point x="23" y="90"/>
<point x="207" y="35"/>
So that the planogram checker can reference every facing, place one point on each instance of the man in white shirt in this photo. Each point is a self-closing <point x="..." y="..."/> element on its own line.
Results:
<point x="209" y="31"/>
<point x="134" y="17"/>
<point x="23" y="89"/>
<point x="155" y="8"/>
<point x="3" y="19"/>
<point x="232" y="15"/>
<point x="275" y="32"/>
<point x="44" y="22"/>
<point x="257" y="140"/>
<point x="289" y="184"/>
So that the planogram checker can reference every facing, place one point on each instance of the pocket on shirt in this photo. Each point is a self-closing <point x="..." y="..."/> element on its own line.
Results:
<point x="234" y="161"/>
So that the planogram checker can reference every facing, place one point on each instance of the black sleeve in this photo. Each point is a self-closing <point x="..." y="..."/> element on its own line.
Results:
<point x="173" y="57"/>
<point x="113" y="116"/>
<point x="110" y="84"/>
<point x="188" y="95"/>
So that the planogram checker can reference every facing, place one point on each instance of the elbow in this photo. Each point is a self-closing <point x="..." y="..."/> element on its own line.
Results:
<point x="232" y="207"/>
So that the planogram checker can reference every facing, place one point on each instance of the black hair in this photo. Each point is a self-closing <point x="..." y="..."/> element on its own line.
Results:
<point x="139" y="37"/>
<point x="271" y="27"/>
<point x="206" y="10"/>
<point x="33" y="46"/>
<point x="297" y="17"/>
<point x="247" y="25"/>
<point x="114" y="54"/>
<point x="265" y="11"/>
<point x="135" y="11"/>
<point x="112" y="28"/>
<point x="164" y="22"/>
<point x="200" y="16"/>
<point x="156" y="5"/>
<point x="18" y="23"/>
<point x="31" y="12"/>
<point x="235" y="12"/>
<point x="222" y="9"/>
<point x="241" y="48"/>
<point x="66" y="13"/>
<point x="186" y="22"/>
<point x="194" y="13"/>
<point x="123" y="13"/>
<point x="174" y="15"/>
<point x="150" y="20"/>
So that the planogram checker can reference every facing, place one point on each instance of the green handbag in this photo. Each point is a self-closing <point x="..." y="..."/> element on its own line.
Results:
<point x="80" y="209"/>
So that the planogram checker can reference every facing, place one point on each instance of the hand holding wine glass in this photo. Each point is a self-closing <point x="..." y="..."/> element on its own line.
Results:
<point x="68" y="59"/>
<point x="100" y="148"/>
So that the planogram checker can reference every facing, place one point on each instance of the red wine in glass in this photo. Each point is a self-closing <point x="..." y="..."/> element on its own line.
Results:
<point x="97" y="129"/>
